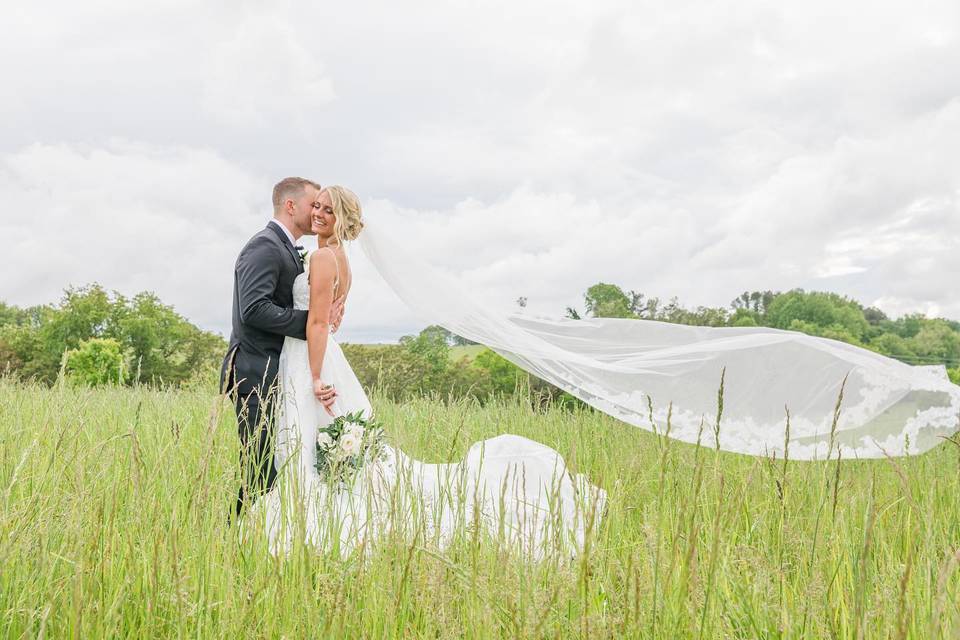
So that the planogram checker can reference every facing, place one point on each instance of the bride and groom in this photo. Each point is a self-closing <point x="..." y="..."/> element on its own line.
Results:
<point x="289" y="380"/>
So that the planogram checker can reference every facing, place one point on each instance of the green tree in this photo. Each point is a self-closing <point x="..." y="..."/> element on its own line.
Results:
<point x="744" y="318"/>
<point x="28" y="356"/>
<point x="820" y="313"/>
<point x="936" y="341"/>
<point x="96" y="362"/>
<point x="433" y="350"/>
<point x="608" y="301"/>
<point x="756" y="301"/>
<point x="701" y="316"/>
<point x="874" y="316"/>
<point x="895" y="346"/>
<point x="388" y="368"/>
<point x="505" y="377"/>
<point x="10" y="361"/>
<point x="906" y="326"/>
<point x="83" y="313"/>
<point x="11" y="315"/>
<point x="449" y="337"/>
<point x="161" y="344"/>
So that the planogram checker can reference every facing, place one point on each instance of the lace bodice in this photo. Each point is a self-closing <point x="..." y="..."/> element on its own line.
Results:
<point x="301" y="292"/>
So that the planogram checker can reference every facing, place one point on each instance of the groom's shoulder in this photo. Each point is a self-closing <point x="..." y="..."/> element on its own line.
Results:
<point x="264" y="238"/>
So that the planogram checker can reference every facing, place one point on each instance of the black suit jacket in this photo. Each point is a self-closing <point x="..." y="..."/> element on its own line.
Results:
<point x="263" y="311"/>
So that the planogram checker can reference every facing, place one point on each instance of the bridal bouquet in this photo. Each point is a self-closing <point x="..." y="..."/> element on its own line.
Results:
<point x="346" y="445"/>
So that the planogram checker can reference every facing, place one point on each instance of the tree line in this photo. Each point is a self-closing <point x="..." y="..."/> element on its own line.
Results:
<point x="93" y="337"/>
<point x="912" y="338"/>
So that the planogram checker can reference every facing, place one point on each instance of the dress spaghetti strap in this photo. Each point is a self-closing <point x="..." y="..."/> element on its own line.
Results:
<point x="336" y="263"/>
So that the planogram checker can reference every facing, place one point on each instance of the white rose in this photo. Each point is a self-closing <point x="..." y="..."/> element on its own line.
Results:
<point x="355" y="430"/>
<point x="324" y="440"/>
<point x="350" y="443"/>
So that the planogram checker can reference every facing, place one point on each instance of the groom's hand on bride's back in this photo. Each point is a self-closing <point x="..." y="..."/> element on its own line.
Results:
<point x="336" y="313"/>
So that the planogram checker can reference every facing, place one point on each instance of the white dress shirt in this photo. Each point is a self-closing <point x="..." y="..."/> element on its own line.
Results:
<point x="285" y="230"/>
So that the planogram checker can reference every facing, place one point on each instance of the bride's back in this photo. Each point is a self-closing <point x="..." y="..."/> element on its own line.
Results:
<point x="342" y="279"/>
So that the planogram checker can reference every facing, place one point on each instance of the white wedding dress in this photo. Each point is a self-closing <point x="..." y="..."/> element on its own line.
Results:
<point x="510" y="488"/>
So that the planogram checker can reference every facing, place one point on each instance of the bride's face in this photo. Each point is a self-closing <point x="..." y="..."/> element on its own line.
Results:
<point x="323" y="217"/>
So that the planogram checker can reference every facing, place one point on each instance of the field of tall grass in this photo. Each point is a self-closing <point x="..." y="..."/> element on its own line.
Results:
<point x="113" y="508"/>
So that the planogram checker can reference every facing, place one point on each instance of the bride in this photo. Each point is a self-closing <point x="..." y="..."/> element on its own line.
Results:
<point x="507" y="487"/>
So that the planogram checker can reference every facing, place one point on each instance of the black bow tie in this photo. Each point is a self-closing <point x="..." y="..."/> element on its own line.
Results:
<point x="299" y="248"/>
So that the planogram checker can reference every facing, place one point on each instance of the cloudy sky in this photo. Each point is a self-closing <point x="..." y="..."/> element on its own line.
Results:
<point x="528" y="147"/>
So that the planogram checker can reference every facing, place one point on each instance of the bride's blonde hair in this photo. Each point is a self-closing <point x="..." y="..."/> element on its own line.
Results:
<point x="346" y="208"/>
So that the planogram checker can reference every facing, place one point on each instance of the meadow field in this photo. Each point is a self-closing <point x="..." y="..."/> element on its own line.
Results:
<point x="113" y="507"/>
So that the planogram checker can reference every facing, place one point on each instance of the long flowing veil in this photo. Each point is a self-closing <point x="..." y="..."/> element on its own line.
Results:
<point x="649" y="373"/>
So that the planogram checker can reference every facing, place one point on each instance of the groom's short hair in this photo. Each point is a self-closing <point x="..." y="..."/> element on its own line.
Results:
<point x="290" y="188"/>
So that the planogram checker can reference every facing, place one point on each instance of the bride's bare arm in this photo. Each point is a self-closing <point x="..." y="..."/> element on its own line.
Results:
<point x="322" y="273"/>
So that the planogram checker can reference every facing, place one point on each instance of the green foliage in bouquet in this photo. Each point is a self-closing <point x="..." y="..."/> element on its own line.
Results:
<point x="344" y="446"/>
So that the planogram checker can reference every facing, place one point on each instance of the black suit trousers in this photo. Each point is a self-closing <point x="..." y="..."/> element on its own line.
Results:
<point x="255" y="422"/>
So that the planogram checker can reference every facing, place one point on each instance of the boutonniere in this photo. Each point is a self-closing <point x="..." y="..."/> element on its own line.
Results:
<point x="304" y="255"/>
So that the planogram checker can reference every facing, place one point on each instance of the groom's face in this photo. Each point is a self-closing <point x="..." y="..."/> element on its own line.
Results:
<point x="303" y="210"/>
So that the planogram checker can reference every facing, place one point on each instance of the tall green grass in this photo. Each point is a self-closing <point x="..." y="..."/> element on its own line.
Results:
<point x="113" y="509"/>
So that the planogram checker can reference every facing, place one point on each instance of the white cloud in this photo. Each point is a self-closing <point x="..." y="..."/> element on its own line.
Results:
<point x="262" y="74"/>
<point x="129" y="216"/>
<point x="533" y="148"/>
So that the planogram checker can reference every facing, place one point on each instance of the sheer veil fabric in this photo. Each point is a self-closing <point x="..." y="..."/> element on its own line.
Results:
<point x="641" y="371"/>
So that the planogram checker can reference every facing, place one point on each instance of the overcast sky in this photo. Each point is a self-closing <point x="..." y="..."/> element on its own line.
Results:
<point x="532" y="148"/>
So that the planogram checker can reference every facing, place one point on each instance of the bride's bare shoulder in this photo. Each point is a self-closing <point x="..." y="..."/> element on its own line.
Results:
<point x="323" y="266"/>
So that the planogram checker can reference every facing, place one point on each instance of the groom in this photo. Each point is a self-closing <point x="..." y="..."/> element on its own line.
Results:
<point x="263" y="314"/>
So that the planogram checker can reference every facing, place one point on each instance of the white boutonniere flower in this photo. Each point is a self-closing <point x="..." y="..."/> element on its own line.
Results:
<point x="304" y="255"/>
